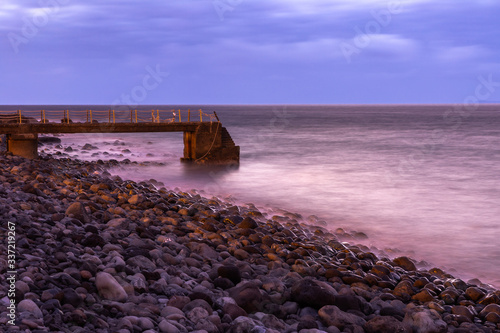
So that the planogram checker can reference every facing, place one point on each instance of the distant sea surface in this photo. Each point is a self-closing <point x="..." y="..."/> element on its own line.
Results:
<point x="422" y="179"/>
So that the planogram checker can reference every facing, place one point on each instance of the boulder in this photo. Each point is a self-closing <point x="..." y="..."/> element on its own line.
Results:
<point x="77" y="210"/>
<point x="383" y="324"/>
<point x="27" y="305"/>
<point x="316" y="294"/>
<point x="333" y="316"/>
<point x="422" y="320"/>
<point x="109" y="288"/>
<point x="248" y="296"/>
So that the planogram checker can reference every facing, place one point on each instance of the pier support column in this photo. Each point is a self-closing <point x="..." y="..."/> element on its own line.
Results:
<point x="189" y="146"/>
<point x="210" y="143"/>
<point x="25" y="145"/>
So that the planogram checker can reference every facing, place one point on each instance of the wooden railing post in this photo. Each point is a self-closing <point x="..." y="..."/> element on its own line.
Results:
<point x="136" y="116"/>
<point x="180" y="120"/>
<point x="20" y="117"/>
<point x="189" y="115"/>
<point x="201" y="117"/>
<point x="157" y="115"/>
<point x="113" y="116"/>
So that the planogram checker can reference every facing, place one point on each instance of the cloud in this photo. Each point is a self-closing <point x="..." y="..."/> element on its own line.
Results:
<point x="389" y="44"/>
<point x="460" y="54"/>
<point x="112" y="41"/>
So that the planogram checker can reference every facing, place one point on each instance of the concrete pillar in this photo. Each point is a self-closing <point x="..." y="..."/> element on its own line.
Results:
<point x="206" y="145"/>
<point x="25" y="145"/>
<point x="189" y="146"/>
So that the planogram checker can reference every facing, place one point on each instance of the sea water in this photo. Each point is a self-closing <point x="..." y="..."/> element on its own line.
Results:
<point x="419" y="180"/>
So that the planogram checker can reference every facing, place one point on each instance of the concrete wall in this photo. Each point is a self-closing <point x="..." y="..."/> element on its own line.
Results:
<point x="206" y="146"/>
<point x="25" y="145"/>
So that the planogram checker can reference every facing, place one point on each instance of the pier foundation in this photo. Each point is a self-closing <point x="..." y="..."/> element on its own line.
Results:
<point x="210" y="143"/>
<point x="25" y="145"/>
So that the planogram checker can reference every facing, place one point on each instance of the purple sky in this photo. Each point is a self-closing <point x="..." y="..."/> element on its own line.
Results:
<point x="248" y="51"/>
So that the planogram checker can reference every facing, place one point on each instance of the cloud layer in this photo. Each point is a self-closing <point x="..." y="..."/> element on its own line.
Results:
<point x="240" y="51"/>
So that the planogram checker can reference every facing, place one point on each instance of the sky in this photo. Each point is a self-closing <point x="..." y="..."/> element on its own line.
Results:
<point x="249" y="52"/>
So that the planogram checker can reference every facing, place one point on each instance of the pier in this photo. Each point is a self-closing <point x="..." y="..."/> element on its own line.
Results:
<point x="206" y="141"/>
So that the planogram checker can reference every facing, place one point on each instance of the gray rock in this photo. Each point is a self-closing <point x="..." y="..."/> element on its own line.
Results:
<point x="383" y="324"/>
<point x="27" y="305"/>
<point x="197" y="314"/>
<point x="333" y="316"/>
<point x="248" y="296"/>
<point x="246" y="325"/>
<point x="422" y="320"/>
<point x="205" y="325"/>
<point x="141" y="262"/>
<point x="203" y="250"/>
<point x="109" y="288"/>
<point x="166" y="327"/>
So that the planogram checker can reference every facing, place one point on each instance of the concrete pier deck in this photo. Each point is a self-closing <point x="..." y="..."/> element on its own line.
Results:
<point x="205" y="142"/>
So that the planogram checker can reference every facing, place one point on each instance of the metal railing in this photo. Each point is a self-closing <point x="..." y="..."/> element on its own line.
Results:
<point x="106" y="116"/>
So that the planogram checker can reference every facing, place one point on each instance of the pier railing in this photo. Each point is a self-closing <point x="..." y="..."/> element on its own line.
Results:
<point x="106" y="116"/>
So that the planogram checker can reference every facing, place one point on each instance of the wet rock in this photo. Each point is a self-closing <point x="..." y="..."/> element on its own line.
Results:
<point x="492" y="318"/>
<point x="248" y="223"/>
<point x="405" y="263"/>
<point x="136" y="199"/>
<point x="474" y="293"/>
<point x="449" y="295"/>
<point x="404" y="290"/>
<point x="463" y="311"/>
<point x="49" y="140"/>
<point x="88" y="146"/>
<point x="490" y="308"/>
<point x="423" y="296"/>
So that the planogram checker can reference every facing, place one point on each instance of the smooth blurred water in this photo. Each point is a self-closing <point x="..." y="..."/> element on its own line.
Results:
<point x="422" y="179"/>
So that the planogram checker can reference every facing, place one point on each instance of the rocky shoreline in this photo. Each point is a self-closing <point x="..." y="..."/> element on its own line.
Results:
<point x="96" y="253"/>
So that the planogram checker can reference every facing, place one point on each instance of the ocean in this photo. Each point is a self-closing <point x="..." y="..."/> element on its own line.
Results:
<point x="418" y="180"/>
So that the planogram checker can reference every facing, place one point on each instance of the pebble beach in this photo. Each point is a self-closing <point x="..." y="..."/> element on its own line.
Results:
<point x="96" y="253"/>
